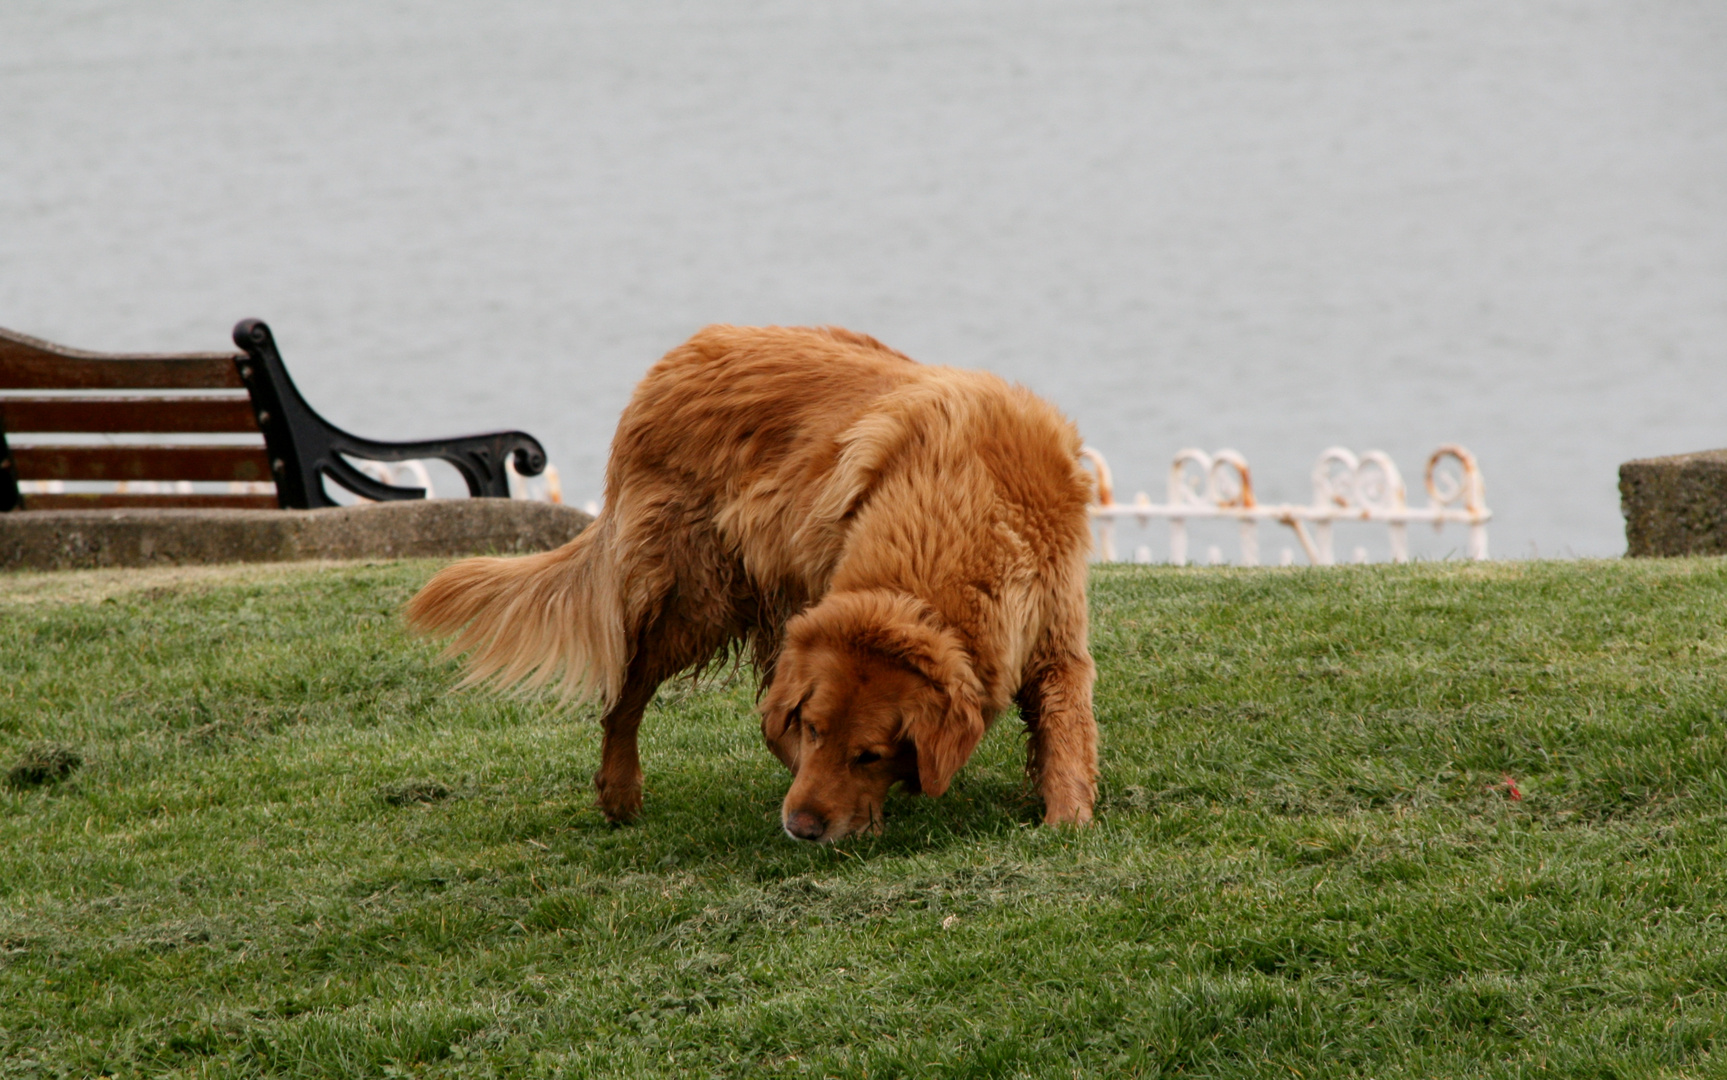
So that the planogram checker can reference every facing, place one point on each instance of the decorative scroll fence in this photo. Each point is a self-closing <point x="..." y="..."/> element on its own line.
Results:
<point x="1346" y="488"/>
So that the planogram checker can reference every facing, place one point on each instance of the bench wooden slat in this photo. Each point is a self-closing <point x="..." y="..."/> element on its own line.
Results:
<point x="109" y="500"/>
<point x="28" y="363"/>
<point x="164" y="373"/>
<point x="141" y="462"/>
<point x="127" y="414"/>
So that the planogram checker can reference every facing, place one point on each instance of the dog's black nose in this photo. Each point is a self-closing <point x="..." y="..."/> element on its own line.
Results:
<point x="805" y="825"/>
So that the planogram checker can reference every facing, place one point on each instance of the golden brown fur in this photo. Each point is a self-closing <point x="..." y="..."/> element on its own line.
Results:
<point x="901" y="547"/>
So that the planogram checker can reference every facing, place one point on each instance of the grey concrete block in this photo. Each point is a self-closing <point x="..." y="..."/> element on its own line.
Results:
<point x="81" y="539"/>
<point x="1675" y="505"/>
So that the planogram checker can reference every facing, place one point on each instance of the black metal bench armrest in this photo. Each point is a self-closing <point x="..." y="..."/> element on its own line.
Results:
<point x="304" y="447"/>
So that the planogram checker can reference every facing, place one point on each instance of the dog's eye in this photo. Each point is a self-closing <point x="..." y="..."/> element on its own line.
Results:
<point x="866" y="758"/>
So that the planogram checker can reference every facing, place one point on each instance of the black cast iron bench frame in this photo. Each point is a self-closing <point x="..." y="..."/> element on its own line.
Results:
<point x="301" y="449"/>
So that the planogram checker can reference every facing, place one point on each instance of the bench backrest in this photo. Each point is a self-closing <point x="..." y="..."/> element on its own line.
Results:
<point x="87" y="393"/>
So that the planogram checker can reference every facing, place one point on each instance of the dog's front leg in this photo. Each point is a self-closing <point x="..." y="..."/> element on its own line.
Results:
<point x="1062" y="755"/>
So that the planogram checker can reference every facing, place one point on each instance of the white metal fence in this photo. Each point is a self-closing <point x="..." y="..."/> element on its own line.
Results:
<point x="1346" y="487"/>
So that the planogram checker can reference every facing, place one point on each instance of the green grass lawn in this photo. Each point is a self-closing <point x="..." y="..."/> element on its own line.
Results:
<point x="292" y="850"/>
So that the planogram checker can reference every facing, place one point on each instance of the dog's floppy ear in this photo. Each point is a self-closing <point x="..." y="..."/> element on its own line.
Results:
<point x="783" y="700"/>
<point x="947" y="724"/>
<point x="946" y="731"/>
<point x="776" y="710"/>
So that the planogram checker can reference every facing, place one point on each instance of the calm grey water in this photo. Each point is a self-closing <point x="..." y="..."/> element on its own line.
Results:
<point x="1276" y="226"/>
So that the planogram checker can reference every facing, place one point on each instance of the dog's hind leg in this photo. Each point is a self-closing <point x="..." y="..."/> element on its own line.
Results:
<point x="1062" y="755"/>
<point x="619" y="781"/>
<point x="684" y="636"/>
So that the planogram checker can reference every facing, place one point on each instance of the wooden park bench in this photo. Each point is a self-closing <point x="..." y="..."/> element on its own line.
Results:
<point x="48" y="389"/>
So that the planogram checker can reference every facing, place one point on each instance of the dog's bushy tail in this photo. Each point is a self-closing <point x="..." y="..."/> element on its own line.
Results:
<point x="535" y="619"/>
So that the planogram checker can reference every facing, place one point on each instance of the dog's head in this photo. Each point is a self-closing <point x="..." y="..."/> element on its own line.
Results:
<point x="869" y="690"/>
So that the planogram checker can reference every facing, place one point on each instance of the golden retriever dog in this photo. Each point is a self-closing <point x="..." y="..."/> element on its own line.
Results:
<point x="900" y="548"/>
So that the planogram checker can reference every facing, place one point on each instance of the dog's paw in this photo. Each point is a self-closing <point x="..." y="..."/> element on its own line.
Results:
<point x="1076" y="814"/>
<point x="620" y="802"/>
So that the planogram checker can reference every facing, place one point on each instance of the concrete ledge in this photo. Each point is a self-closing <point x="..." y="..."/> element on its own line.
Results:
<point x="1675" y="505"/>
<point x="83" y="539"/>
